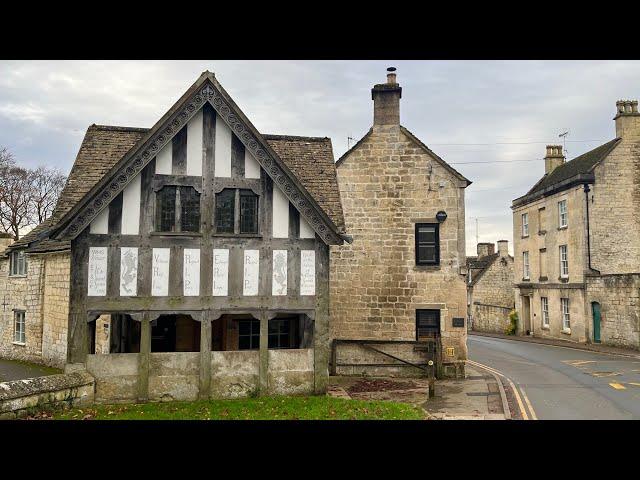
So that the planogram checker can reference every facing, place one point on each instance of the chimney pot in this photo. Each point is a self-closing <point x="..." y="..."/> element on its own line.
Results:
<point x="485" y="249"/>
<point x="553" y="159"/>
<point x="503" y="247"/>
<point x="627" y="118"/>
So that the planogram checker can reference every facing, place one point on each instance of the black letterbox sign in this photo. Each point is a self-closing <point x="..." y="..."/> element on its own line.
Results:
<point x="458" y="321"/>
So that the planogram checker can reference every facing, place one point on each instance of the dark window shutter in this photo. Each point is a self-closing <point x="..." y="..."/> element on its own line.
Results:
<point x="427" y="244"/>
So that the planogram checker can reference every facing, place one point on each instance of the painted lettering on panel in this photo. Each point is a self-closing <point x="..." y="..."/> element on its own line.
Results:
<point x="220" y="272"/>
<point x="160" y="272"/>
<point x="97" y="271"/>
<point x="307" y="272"/>
<point x="251" y="272"/>
<point x="279" y="279"/>
<point x="191" y="272"/>
<point x="128" y="271"/>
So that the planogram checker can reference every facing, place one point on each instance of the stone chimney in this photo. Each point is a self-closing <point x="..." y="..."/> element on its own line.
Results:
<point x="485" y="249"/>
<point x="553" y="159"/>
<point x="503" y="248"/>
<point x="6" y="239"/>
<point x="386" y="100"/>
<point x="627" y="118"/>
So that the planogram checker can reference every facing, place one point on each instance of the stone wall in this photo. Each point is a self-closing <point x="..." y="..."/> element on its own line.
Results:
<point x="490" y="318"/>
<point x="55" y="319"/>
<point x="491" y="297"/>
<point x="619" y="298"/>
<point x="388" y="183"/>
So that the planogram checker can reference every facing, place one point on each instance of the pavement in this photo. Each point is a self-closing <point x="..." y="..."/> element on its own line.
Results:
<point x="17" y="370"/>
<point x="478" y="397"/>
<point x="545" y="381"/>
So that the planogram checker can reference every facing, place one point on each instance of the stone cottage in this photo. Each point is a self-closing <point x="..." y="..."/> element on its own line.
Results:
<point x="188" y="260"/>
<point x="577" y="242"/>
<point x="490" y="288"/>
<point x="402" y="279"/>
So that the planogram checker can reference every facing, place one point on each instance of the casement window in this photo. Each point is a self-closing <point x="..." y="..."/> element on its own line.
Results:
<point x="17" y="263"/>
<point x="525" y="266"/>
<point x="544" y="302"/>
<point x="19" y="326"/>
<point x="525" y="224"/>
<point x="427" y="244"/>
<point x="427" y="324"/>
<point x="248" y="334"/>
<point x="564" y="262"/>
<point x="280" y="333"/>
<point x="562" y="213"/>
<point x="244" y="219"/>
<point x="177" y="209"/>
<point x="566" y="321"/>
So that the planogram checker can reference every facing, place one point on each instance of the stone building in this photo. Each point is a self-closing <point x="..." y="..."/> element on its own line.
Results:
<point x="490" y="288"/>
<point x="403" y="277"/>
<point x="577" y="242"/>
<point x="188" y="260"/>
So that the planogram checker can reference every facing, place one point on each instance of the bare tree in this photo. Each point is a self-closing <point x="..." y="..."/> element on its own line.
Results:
<point x="46" y="184"/>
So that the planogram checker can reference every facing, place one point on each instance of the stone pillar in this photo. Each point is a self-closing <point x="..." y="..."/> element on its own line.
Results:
<point x="204" y="390"/>
<point x="143" y="358"/>
<point x="264" y="353"/>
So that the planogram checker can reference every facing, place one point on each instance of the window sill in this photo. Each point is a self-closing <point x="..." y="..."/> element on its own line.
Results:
<point x="237" y="235"/>
<point x="524" y="236"/>
<point x="526" y="279"/>
<point x="564" y="279"/>
<point x="175" y="234"/>
<point x="543" y="279"/>
<point x="426" y="268"/>
<point x="20" y="344"/>
<point x="545" y="327"/>
<point x="18" y="276"/>
<point x="563" y="228"/>
<point x="566" y="331"/>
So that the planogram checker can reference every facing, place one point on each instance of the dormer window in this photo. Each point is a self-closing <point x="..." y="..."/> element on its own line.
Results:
<point x="241" y="220"/>
<point x="177" y="209"/>
<point x="17" y="263"/>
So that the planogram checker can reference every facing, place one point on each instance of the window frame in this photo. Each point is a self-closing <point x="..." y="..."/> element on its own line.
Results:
<point x="427" y="311"/>
<point x="280" y="333"/>
<point x="544" y="308"/>
<point x="436" y="244"/>
<point x="18" y="259"/>
<point x="566" y="315"/>
<point x="525" y="223"/>
<point x="564" y="262"/>
<point x="248" y="193"/>
<point x="238" y="193"/>
<point x="253" y="337"/>
<point x="526" y="266"/>
<point x="563" y="215"/>
<point x="17" y="314"/>
<point x="178" y="210"/>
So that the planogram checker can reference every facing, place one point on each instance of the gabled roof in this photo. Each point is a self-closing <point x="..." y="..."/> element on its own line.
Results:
<point x="206" y="89"/>
<point x="579" y="168"/>
<point x="419" y="143"/>
<point x="477" y="266"/>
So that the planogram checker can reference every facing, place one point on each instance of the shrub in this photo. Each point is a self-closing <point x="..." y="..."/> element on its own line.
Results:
<point x="513" y="323"/>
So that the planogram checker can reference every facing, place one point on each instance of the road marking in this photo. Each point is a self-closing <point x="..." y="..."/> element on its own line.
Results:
<point x="634" y="384"/>
<point x="617" y="386"/>
<point x="578" y="362"/>
<point x="523" y="411"/>
<point x="604" y="374"/>
<point x="526" y="399"/>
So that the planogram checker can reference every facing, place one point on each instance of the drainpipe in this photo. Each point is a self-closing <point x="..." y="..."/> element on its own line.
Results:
<point x="586" y="197"/>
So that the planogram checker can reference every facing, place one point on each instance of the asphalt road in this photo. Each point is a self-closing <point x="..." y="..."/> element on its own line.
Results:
<point x="563" y="383"/>
<point x="15" y="370"/>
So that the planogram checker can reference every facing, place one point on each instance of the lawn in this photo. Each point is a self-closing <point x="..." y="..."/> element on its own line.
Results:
<point x="263" y="408"/>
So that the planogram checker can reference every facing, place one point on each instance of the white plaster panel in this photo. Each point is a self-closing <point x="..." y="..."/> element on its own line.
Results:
<point x="160" y="272"/>
<point x="100" y="224"/>
<point x="223" y="149"/>
<point x="279" y="277"/>
<point x="128" y="271"/>
<point x="305" y="229"/>
<point x="164" y="160"/>
<point x="191" y="272"/>
<point x="194" y="145"/>
<point x="280" y="214"/>
<point x="220" y="272"/>
<point x="251" y="165"/>
<point x="131" y="207"/>
<point x="97" y="284"/>
<point x="307" y="272"/>
<point x="251" y="272"/>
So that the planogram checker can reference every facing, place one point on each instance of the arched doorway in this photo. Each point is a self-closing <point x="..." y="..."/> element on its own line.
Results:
<point x="595" y="313"/>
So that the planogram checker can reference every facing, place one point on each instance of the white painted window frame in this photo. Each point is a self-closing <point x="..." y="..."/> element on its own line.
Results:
<point x="526" y="271"/>
<point x="566" y="316"/>
<point x="19" y="327"/>
<point x="525" y="224"/>
<point x="563" y="217"/>
<point x="564" y="261"/>
<point x="544" y="306"/>
<point x="18" y="264"/>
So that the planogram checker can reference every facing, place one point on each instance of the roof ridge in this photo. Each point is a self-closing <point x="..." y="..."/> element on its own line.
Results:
<point x="272" y="136"/>
<point x="117" y="128"/>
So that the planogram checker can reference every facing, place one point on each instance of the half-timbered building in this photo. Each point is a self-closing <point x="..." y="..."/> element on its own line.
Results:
<point x="198" y="255"/>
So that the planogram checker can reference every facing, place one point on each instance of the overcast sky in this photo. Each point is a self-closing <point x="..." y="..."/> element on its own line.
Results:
<point x="501" y="112"/>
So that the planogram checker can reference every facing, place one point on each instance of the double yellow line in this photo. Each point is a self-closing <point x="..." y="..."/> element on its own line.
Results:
<point x="521" y="406"/>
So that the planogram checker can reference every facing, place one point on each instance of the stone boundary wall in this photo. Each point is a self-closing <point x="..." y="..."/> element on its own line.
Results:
<point x="19" y="396"/>
<point x="490" y="318"/>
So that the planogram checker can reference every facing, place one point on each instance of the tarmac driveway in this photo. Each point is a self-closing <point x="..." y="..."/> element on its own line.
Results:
<point x="16" y="370"/>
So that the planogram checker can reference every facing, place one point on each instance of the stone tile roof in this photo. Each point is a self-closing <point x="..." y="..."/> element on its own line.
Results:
<point x="477" y="266"/>
<point x="311" y="161"/>
<point x="583" y="164"/>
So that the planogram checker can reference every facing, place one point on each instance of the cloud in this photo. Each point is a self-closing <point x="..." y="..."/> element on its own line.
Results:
<point x="510" y="108"/>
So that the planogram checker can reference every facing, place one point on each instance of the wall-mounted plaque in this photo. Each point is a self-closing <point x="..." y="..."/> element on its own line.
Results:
<point x="128" y="271"/>
<point x="307" y="272"/>
<point x="97" y="284"/>
<point x="251" y="272"/>
<point x="160" y="272"/>
<point x="458" y="321"/>
<point x="191" y="272"/>
<point x="220" y="272"/>
<point x="279" y="278"/>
